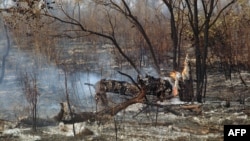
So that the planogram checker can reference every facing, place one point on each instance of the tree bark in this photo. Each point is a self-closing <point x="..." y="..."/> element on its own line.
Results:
<point x="174" y="32"/>
<point x="187" y="89"/>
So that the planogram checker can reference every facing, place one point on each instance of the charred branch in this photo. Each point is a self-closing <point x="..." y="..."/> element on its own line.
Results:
<point x="65" y="116"/>
<point x="133" y="81"/>
<point x="110" y="37"/>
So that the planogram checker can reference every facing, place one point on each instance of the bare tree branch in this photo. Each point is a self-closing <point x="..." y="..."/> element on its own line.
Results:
<point x="101" y="34"/>
<point x="133" y="19"/>
<point x="218" y="15"/>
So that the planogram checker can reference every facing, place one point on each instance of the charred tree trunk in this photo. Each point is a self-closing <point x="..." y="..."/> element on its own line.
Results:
<point x="186" y="86"/>
<point x="188" y="91"/>
<point x="174" y="31"/>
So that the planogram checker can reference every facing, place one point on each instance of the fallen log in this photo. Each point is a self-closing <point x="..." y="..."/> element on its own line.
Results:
<point x="67" y="117"/>
<point x="114" y="110"/>
<point x="64" y="114"/>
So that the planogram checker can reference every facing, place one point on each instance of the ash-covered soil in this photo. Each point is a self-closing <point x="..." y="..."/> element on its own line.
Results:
<point x="127" y="125"/>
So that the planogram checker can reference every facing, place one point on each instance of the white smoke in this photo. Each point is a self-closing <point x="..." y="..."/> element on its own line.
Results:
<point x="50" y="83"/>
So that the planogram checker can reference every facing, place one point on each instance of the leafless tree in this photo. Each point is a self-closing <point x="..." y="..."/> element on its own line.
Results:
<point x="29" y="85"/>
<point x="174" y="31"/>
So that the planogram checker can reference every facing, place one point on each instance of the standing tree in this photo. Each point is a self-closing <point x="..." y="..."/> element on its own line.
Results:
<point x="174" y="30"/>
<point x="29" y="84"/>
<point x="202" y="28"/>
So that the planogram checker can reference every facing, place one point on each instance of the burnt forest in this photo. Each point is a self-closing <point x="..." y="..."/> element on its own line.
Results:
<point x="123" y="70"/>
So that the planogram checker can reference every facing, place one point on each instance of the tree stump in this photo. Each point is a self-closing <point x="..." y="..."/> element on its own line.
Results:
<point x="186" y="92"/>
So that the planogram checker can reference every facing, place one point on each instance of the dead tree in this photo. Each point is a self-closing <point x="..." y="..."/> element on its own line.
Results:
<point x="29" y="84"/>
<point x="68" y="117"/>
<point x="175" y="31"/>
<point x="108" y="113"/>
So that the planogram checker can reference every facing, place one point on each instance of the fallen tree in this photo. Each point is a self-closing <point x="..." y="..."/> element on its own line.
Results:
<point x="64" y="114"/>
<point x="108" y="113"/>
<point x="182" y="86"/>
